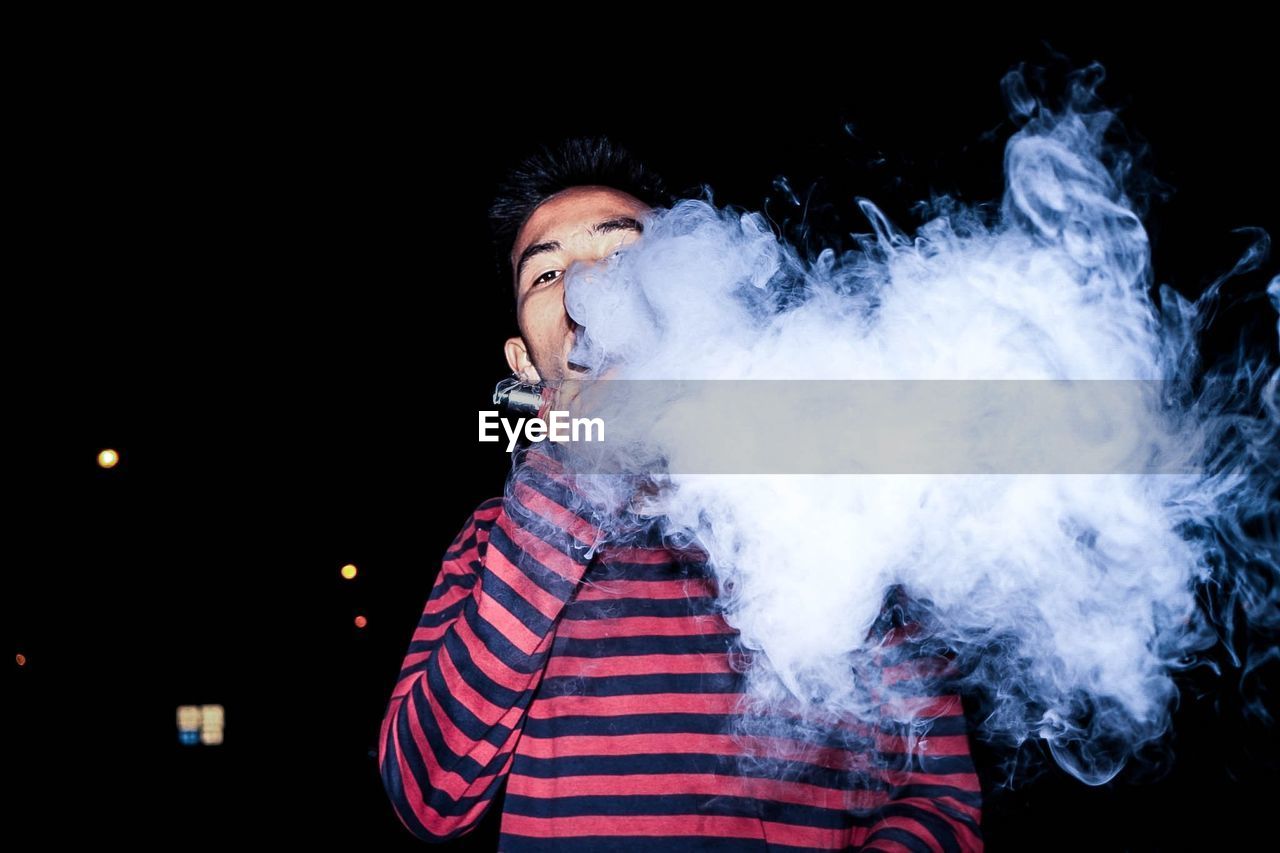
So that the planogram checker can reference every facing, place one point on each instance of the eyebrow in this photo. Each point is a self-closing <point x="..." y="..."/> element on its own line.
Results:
<point x="618" y="223"/>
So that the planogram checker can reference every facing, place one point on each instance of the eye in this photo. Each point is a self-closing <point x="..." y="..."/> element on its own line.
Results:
<point x="542" y="278"/>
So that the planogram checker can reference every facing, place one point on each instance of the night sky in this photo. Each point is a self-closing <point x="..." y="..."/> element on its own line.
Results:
<point x="259" y="268"/>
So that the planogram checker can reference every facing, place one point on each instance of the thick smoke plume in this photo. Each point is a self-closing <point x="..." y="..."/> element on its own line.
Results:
<point x="1070" y="601"/>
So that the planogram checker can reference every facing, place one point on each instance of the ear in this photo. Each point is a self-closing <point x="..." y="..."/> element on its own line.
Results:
<point x="518" y="360"/>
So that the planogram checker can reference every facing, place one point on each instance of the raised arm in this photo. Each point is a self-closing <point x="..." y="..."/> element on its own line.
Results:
<point x="477" y="656"/>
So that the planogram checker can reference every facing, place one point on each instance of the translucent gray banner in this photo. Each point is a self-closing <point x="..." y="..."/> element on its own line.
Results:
<point x="847" y="427"/>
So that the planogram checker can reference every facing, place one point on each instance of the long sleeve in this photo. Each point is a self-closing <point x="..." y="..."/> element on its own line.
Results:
<point x="935" y="798"/>
<point x="479" y="651"/>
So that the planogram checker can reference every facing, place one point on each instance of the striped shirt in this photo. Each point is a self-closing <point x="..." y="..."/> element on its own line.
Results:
<point x="600" y="683"/>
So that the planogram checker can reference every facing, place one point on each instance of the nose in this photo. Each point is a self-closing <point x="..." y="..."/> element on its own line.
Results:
<point x="574" y="325"/>
<point x="579" y="267"/>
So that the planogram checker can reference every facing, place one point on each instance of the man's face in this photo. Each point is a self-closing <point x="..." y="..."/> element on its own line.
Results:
<point x="580" y="224"/>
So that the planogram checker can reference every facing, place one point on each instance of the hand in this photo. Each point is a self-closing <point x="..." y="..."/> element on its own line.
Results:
<point x="581" y="395"/>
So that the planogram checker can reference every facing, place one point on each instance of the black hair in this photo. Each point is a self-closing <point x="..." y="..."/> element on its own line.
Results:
<point x="573" y="162"/>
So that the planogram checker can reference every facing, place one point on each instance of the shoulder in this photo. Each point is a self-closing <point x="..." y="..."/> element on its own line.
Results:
<point x="474" y="534"/>
<point x="488" y="510"/>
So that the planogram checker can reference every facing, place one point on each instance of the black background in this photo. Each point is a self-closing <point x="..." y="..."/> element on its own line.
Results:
<point x="256" y="263"/>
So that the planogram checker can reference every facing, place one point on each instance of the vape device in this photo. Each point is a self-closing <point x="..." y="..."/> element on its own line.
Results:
<point x="521" y="397"/>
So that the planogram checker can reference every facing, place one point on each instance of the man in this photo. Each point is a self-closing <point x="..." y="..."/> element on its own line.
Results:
<point x="599" y="683"/>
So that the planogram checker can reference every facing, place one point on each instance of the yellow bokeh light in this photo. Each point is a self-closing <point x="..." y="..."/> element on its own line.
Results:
<point x="108" y="458"/>
<point x="201" y="724"/>
<point x="361" y="621"/>
<point x="349" y="571"/>
<point x="212" y="722"/>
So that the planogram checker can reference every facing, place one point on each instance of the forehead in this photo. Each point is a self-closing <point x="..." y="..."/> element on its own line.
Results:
<point x="573" y="210"/>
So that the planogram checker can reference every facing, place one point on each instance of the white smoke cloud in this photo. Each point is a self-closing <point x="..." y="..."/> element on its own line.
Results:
<point x="1070" y="600"/>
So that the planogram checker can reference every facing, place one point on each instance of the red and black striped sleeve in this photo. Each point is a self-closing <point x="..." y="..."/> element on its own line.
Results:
<point x="935" y="801"/>
<point x="479" y="651"/>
